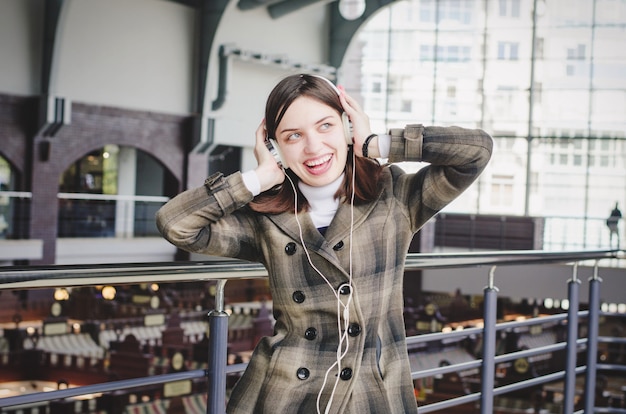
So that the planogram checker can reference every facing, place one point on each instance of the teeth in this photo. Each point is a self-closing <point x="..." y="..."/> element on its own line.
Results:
<point x="319" y="161"/>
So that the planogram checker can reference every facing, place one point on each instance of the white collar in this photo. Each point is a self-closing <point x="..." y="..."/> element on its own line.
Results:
<point x="322" y="201"/>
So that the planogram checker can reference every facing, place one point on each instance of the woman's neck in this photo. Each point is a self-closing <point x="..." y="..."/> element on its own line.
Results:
<point x="322" y="201"/>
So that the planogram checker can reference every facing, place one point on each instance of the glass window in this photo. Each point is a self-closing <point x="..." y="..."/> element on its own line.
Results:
<point x="469" y="63"/>
<point x="102" y="194"/>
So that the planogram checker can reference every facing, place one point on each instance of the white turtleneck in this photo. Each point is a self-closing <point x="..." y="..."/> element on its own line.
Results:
<point x="322" y="201"/>
<point x="323" y="204"/>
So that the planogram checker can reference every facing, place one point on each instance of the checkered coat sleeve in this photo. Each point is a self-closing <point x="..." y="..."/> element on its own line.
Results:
<point x="296" y="369"/>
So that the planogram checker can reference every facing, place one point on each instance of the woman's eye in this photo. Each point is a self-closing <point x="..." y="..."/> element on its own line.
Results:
<point x="293" y="136"/>
<point x="325" y="126"/>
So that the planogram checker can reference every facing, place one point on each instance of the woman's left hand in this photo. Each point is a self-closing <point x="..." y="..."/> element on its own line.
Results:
<point x="360" y="125"/>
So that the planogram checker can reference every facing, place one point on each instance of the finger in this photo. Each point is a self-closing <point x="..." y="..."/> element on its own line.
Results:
<point x="261" y="132"/>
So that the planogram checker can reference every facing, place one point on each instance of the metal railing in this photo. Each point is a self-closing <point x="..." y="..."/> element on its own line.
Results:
<point x="224" y="270"/>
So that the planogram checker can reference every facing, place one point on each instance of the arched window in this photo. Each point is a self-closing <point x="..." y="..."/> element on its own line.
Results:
<point x="111" y="192"/>
<point x="13" y="204"/>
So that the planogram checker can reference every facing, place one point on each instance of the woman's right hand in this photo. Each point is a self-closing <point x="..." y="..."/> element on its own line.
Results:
<point x="268" y="171"/>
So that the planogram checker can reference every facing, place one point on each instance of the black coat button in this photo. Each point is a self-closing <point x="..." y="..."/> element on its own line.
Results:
<point x="338" y="246"/>
<point x="290" y="248"/>
<point x="298" y="296"/>
<point x="303" y="373"/>
<point x="354" y="329"/>
<point x="344" y="289"/>
<point x="346" y="374"/>
<point x="310" y="333"/>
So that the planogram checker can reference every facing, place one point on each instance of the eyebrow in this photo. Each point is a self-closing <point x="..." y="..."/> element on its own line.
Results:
<point x="324" y="119"/>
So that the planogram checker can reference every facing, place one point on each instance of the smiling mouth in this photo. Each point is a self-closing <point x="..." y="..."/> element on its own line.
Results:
<point x="318" y="163"/>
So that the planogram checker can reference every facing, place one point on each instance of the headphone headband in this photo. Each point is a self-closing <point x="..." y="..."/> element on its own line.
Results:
<point x="332" y="85"/>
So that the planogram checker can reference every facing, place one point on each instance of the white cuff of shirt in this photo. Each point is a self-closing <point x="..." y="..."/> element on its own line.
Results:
<point x="251" y="181"/>
<point x="384" y="145"/>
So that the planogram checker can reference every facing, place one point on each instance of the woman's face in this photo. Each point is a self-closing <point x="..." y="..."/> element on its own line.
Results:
<point x="311" y="140"/>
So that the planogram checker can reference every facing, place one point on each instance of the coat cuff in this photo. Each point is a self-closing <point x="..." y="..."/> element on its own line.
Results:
<point x="230" y="192"/>
<point x="406" y="143"/>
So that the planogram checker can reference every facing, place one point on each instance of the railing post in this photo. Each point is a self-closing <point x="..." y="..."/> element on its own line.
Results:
<point x="218" y="353"/>
<point x="489" y="345"/>
<point x="592" y="340"/>
<point x="571" y="346"/>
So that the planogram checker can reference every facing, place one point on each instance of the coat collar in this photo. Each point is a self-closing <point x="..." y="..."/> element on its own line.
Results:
<point x="338" y="230"/>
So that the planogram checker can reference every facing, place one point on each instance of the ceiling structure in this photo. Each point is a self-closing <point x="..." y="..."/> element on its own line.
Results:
<point x="342" y="26"/>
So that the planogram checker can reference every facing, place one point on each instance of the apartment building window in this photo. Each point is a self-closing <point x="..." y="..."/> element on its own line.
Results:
<point x="539" y="46"/>
<point x="575" y="60"/>
<point x="508" y="51"/>
<point x="502" y="190"/>
<point x="604" y="152"/>
<point x="450" y="53"/>
<point x="377" y="87"/>
<point x="452" y="10"/>
<point x="537" y="92"/>
<point x="509" y="8"/>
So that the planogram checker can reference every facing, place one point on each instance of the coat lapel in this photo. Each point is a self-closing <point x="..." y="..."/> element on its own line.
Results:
<point x="339" y="229"/>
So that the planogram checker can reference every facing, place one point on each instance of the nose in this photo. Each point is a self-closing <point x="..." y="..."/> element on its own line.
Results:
<point x="312" y="143"/>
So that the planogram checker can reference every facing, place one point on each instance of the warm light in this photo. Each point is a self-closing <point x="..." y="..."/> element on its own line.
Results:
<point x="351" y="9"/>
<point x="520" y="318"/>
<point x="108" y="292"/>
<point x="61" y="294"/>
<point x="76" y="327"/>
<point x="446" y="329"/>
<point x="621" y="308"/>
<point x="105" y="155"/>
<point x="459" y="328"/>
<point x="154" y="287"/>
<point x="565" y="304"/>
<point x="548" y="303"/>
<point x="612" y="307"/>
<point x="30" y="330"/>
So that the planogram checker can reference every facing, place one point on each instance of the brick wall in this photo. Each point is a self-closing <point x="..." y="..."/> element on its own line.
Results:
<point x="163" y="136"/>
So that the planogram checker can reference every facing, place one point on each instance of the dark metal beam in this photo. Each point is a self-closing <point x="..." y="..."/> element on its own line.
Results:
<point x="190" y="3"/>
<point x="253" y="4"/>
<point x="288" y="6"/>
<point x="342" y="31"/>
<point x="210" y="14"/>
<point x="52" y="14"/>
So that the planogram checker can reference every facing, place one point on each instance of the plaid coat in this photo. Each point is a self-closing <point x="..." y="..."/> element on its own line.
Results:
<point x="287" y="371"/>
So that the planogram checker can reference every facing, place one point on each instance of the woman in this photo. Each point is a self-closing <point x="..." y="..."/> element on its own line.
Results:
<point x="333" y="230"/>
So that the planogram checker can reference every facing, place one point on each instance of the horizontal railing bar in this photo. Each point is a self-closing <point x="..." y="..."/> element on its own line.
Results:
<point x="119" y="274"/>
<point x="611" y="367"/>
<point x="449" y="336"/>
<point x="101" y="388"/>
<point x="516" y="257"/>
<point x="32" y="277"/>
<point x="611" y="340"/>
<point x="429" y="337"/>
<point x="452" y="402"/>
<point x="16" y="194"/>
<point x="555" y="376"/>
<point x="580" y="343"/>
<point x="111" y="197"/>
<point x="465" y="366"/>
<point x="461" y="366"/>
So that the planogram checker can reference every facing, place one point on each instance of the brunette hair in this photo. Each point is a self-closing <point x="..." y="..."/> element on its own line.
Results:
<point x="281" y="198"/>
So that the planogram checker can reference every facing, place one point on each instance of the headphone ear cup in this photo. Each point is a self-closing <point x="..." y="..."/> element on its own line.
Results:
<point x="274" y="149"/>
<point x="347" y="128"/>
